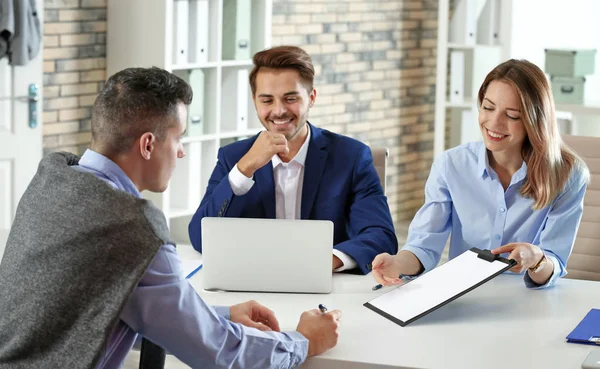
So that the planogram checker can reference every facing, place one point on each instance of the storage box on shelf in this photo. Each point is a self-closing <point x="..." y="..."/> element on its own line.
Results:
<point x="567" y="70"/>
<point x="208" y="43"/>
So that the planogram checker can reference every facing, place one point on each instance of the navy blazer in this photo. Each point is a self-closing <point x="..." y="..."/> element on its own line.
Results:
<point x="340" y="184"/>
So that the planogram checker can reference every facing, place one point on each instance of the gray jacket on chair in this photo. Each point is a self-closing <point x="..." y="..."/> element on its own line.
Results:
<point x="76" y="251"/>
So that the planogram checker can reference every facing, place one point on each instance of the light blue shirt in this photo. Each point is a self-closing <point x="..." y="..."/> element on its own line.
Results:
<point x="166" y="309"/>
<point x="464" y="196"/>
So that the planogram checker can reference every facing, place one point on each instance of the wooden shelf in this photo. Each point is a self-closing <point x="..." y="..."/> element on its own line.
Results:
<point x="237" y="63"/>
<point x="470" y="46"/>
<point x="195" y="66"/>
<point x="589" y="107"/>
<point x="466" y="104"/>
<point x="249" y="132"/>
<point x="223" y="63"/>
<point x="200" y="138"/>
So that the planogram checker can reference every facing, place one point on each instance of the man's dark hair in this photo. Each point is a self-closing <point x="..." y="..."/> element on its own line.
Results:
<point x="135" y="101"/>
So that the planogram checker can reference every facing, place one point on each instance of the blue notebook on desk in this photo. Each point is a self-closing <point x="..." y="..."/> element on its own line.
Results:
<point x="588" y="330"/>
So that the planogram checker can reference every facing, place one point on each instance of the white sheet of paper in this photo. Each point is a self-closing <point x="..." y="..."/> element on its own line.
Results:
<point x="437" y="286"/>
<point x="189" y="266"/>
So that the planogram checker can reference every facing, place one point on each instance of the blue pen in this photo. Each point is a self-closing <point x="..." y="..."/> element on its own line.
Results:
<point x="323" y="308"/>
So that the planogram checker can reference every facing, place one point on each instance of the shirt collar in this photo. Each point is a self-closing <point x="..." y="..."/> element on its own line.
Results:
<point x="484" y="169"/>
<point x="97" y="162"/>
<point x="482" y="161"/>
<point x="300" y="157"/>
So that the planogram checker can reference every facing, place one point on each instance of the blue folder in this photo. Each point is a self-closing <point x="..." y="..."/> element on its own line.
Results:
<point x="588" y="330"/>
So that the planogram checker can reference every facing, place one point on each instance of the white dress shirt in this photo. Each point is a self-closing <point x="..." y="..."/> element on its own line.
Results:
<point x="289" y="178"/>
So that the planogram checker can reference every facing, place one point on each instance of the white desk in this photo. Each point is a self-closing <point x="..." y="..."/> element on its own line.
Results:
<point x="498" y="325"/>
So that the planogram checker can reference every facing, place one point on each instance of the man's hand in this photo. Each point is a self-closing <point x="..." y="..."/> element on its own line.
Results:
<point x="253" y="314"/>
<point x="525" y="254"/>
<point x="320" y="329"/>
<point x="336" y="263"/>
<point x="266" y="145"/>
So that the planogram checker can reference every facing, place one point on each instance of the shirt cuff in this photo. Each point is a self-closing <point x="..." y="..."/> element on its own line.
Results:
<point x="240" y="184"/>
<point x="427" y="261"/>
<point x="223" y="311"/>
<point x="347" y="261"/>
<point x="529" y="283"/>
<point x="301" y="353"/>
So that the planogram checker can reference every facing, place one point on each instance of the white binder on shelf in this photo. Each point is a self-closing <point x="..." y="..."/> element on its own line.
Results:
<point x="464" y="22"/>
<point x="180" y="31"/>
<point x="195" y="126"/>
<point x="195" y="78"/>
<point x="236" y="29"/>
<point x="488" y="25"/>
<point x="457" y="76"/>
<point x="235" y="93"/>
<point x="198" y="31"/>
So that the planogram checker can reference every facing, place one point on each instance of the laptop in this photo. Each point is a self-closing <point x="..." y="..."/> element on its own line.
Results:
<point x="267" y="255"/>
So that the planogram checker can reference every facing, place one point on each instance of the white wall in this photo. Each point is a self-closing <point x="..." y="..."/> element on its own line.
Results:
<point x="546" y="24"/>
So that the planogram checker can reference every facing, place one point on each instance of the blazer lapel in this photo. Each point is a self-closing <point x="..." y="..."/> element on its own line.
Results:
<point x="266" y="189"/>
<point x="313" y="169"/>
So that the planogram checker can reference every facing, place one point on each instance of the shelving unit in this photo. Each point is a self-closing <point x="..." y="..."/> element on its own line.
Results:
<point x="580" y="118"/>
<point x="478" y="35"/>
<point x="216" y="62"/>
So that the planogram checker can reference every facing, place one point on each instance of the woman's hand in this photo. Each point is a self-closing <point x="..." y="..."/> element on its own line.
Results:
<point x="386" y="269"/>
<point x="525" y="254"/>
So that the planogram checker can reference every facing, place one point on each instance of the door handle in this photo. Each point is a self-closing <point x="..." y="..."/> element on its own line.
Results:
<point x="33" y="99"/>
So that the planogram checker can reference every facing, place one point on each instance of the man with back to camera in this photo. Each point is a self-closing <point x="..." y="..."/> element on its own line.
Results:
<point x="294" y="170"/>
<point x="89" y="264"/>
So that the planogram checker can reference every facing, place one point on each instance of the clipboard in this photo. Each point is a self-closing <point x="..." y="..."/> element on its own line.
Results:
<point x="440" y="286"/>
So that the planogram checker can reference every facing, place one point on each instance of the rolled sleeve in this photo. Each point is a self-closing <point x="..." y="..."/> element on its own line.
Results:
<point x="557" y="237"/>
<point x="240" y="184"/>
<point x="223" y="311"/>
<point x="529" y="283"/>
<point x="428" y="259"/>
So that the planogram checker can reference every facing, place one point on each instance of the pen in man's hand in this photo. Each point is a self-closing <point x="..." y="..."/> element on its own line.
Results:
<point x="322" y="308"/>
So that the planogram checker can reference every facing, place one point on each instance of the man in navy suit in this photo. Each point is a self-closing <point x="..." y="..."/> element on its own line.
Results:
<point x="294" y="170"/>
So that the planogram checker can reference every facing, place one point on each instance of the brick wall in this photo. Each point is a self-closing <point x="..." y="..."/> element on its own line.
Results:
<point x="74" y="70"/>
<point x="375" y="64"/>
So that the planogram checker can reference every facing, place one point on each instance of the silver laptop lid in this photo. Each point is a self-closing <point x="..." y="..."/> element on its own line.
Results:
<point x="267" y="255"/>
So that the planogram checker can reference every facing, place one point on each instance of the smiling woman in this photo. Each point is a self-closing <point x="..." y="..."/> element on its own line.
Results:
<point x="519" y="192"/>
<point x="523" y="127"/>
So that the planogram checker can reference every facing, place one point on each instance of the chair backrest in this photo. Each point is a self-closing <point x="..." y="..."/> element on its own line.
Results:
<point x="380" y="156"/>
<point x="584" y="262"/>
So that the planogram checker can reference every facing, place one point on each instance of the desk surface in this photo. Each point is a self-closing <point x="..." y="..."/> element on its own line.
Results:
<point x="500" y="324"/>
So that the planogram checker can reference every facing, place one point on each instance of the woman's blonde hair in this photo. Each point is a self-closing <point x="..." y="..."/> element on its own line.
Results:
<point x="549" y="161"/>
